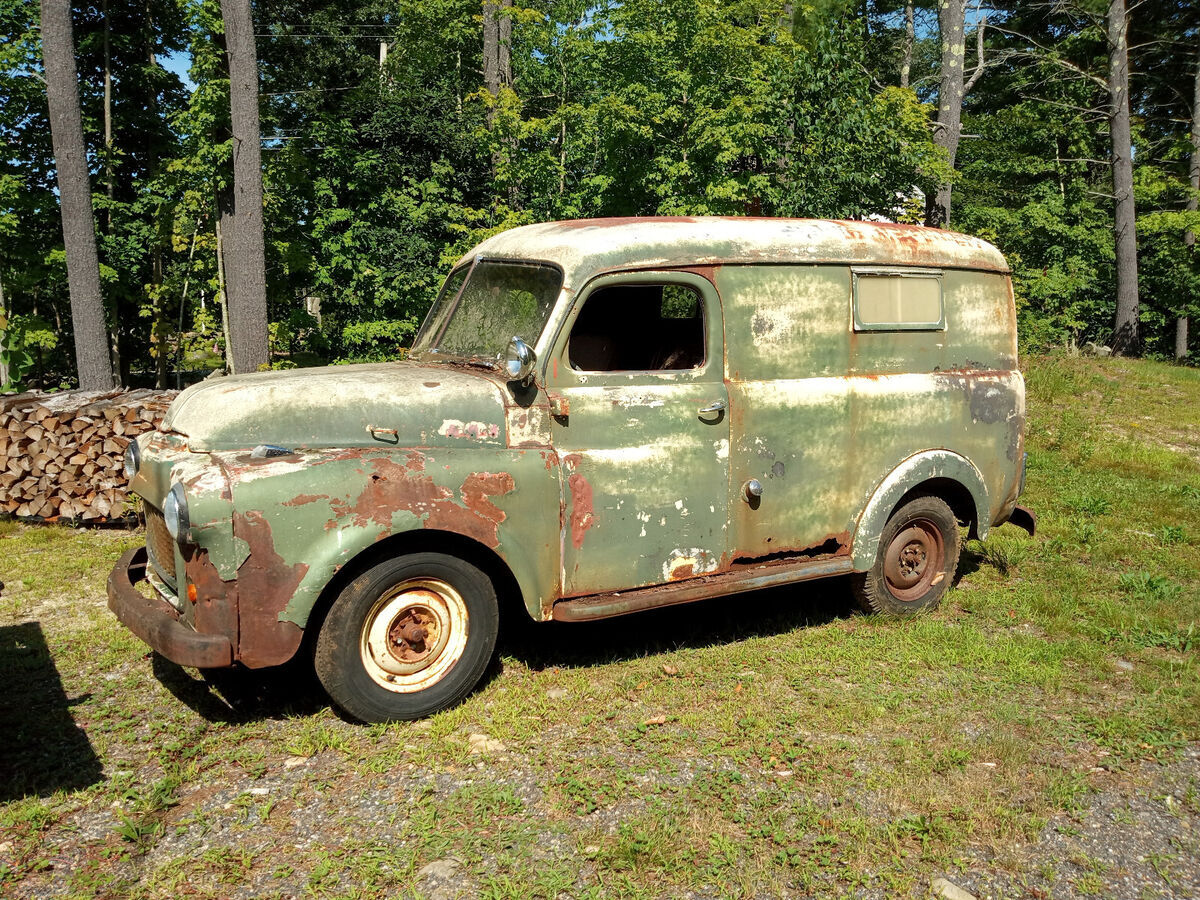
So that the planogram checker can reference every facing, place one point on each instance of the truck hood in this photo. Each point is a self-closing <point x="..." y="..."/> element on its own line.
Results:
<point x="380" y="405"/>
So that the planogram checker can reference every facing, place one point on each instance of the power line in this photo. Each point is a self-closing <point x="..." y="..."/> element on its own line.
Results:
<point x="348" y="37"/>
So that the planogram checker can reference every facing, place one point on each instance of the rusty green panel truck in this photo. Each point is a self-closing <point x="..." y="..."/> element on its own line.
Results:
<point x="597" y="417"/>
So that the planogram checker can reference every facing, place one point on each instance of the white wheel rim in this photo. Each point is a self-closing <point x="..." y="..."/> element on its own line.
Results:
<point x="413" y="635"/>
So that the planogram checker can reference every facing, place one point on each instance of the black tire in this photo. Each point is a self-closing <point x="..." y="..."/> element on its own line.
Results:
<point x="917" y="558"/>
<point x="408" y="614"/>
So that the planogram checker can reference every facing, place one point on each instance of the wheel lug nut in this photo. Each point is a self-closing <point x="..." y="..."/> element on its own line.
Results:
<point x="412" y="633"/>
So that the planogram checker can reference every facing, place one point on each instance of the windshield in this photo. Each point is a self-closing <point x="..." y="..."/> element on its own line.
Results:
<point x="498" y="301"/>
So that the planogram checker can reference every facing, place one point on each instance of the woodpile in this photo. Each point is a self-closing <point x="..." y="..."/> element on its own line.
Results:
<point x="62" y="455"/>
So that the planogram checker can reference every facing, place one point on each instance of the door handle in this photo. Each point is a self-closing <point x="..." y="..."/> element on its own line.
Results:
<point x="715" y="406"/>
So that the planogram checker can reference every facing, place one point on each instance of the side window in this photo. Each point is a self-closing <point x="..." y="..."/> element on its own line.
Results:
<point x="891" y="301"/>
<point x="639" y="328"/>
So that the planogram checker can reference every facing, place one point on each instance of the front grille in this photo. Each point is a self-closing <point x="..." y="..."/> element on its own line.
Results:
<point x="159" y="545"/>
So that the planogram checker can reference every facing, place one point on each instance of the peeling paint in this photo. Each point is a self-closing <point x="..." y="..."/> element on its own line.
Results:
<point x="688" y="563"/>
<point x="582" y="517"/>
<point x="456" y="428"/>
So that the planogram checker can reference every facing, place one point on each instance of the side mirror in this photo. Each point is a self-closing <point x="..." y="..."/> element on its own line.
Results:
<point x="519" y="362"/>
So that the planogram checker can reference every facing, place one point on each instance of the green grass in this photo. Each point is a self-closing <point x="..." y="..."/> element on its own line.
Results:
<point x="801" y="748"/>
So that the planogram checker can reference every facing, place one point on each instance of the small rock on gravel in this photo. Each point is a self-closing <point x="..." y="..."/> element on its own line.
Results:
<point x="949" y="890"/>
<point x="440" y="869"/>
<point x="481" y="743"/>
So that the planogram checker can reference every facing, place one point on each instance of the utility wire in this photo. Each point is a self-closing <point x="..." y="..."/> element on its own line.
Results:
<point x="347" y="37"/>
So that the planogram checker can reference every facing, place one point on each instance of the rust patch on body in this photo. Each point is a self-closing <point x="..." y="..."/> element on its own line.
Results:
<point x="392" y="488"/>
<point x="216" y="609"/>
<point x="612" y="221"/>
<point x="991" y="399"/>
<point x="684" y="571"/>
<point x="479" y="517"/>
<point x="304" y="499"/>
<point x="832" y="545"/>
<point x="582" y="517"/>
<point x="265" y="585"/>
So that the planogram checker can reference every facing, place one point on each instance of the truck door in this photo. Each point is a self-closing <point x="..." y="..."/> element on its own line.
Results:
<point x="637" y="373"/>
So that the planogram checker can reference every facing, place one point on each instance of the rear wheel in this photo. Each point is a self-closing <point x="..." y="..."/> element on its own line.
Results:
<point x="917" y="558"/>
<point x="408" y="637"/>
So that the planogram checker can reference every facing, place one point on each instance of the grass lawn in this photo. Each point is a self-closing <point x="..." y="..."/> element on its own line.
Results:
<point x="773" y="745"/>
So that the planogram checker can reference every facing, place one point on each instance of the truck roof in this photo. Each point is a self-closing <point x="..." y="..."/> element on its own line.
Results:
<point x="584" y="246"/>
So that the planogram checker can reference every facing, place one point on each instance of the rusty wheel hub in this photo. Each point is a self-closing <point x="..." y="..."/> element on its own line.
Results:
<point x="912" y="564"/>
<point x="414" y="635"/>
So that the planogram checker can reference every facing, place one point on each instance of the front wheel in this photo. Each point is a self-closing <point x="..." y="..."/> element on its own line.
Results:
<point x="917" y="558"/>
<point x="407" y="638"/>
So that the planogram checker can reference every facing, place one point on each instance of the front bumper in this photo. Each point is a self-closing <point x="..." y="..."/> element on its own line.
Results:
<point x="157" y="623"/>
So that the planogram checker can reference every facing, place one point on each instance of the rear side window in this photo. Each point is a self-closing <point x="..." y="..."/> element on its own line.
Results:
<point x="898" y="301"/>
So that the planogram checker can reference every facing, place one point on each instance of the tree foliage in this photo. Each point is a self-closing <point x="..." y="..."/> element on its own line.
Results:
<point x="379" y="174"/>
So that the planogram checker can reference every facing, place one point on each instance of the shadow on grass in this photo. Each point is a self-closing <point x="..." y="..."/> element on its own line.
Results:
<point x="242" y="695"/>
<point x="707" y="623"/>
<point x="969" y="562"/>
<point x="42" y="750"/>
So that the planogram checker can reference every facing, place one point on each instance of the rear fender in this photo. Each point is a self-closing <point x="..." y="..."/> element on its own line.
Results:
<point x="911" y="473"/>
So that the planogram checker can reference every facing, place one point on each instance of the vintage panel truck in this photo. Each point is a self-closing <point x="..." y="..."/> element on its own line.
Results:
<point x="598" y="417"/>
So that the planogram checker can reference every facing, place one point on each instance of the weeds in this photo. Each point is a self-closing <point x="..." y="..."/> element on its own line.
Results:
<point x="1148" y="587"/>
<point x="1002" y="553"/>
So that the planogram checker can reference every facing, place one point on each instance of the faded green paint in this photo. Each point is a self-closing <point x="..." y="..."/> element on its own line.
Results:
<point x="627" y="485"/>
<point x="822" y="414"/>
<point x="406" y="405"/>
<point x="646" y="472"/>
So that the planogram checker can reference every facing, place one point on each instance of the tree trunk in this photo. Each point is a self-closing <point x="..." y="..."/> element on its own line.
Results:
<point x="506" y="75"/>
<point x="118" y="365"/>
<point x="75" y="198"/>
<point x="951" y="26"/>
<point x="242" y="221"/>
<point x="910" y="36"/>
<point x="223" y="299"/>
<point x="497" y="48"/>
<point x="3" y="337"/>
<point x="1189" y="237"/>
<point x="491" y="53"/>
<point x="1125" y="331"/>
<point x="162" y="324"/>
<point x="108" y="123"/>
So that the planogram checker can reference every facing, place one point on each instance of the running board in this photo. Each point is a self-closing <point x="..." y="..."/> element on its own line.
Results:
<point x="617" y="603"/>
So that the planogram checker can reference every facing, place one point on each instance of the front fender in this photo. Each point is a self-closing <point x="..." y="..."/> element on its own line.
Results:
<point x="313" y="512"/>
<point x="915" y="470"/>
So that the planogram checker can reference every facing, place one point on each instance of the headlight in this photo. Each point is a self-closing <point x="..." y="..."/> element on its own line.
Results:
<point x="175" y="513"/>
<point x="133" y="458"/>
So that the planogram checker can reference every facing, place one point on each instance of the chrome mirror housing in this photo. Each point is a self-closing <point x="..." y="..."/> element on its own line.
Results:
<point x="519" y="362"/>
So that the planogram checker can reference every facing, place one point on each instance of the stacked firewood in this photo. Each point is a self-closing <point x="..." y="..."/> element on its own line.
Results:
<point x="61" y="455"/>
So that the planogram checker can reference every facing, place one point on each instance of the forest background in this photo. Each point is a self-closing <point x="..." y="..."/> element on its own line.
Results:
<point x="395" y="134"/>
